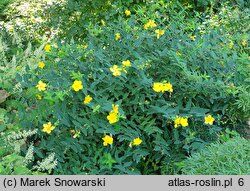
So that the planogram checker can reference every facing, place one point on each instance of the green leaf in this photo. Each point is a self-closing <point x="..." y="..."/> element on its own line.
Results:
<point x="152" y="129"/>
<point x="107" y="160"/>
<point x="199" y="112"/>
<point x="21" y="170"/>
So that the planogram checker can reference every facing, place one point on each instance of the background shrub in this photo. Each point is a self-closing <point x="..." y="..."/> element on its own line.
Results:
<point x="229" y="158"/>
<point x="12" y="145"/>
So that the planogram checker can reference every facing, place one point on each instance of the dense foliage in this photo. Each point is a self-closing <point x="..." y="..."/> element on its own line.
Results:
<point x="229" y="158"/>
<point x="133" y="87"/>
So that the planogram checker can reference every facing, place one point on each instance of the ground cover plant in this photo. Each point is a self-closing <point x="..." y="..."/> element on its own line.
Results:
<point x="232" y="157"/>
<point x="132" y="88"/>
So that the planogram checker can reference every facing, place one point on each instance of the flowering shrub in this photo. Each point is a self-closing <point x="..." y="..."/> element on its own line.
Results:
<point x="135" y="98"/>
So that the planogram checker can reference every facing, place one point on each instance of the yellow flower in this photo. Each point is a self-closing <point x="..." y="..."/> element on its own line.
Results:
<point x="162" y="87"/>
<point x="209" y="120"/>
<point x="127" y="13"/>
<point x="116" y="70"/>
<point x="168" y="87"/>
<point x="180" y="121"/>
<point x="47" y="47"/>
<point x="47" y="128"/>
<point x="126" y="63"/>
<point x="77" y="85"/>
<point x="113" y="115"/>
<point x="137" y="141"/>
<point x="87" y="99"/>
<point x="117" y="36"/>
<point x="244" y="42"/>
<point x="149" y="24"/>
<point x="103" y="23"/>
<point x="41" y="86"/>
<point x="193" y="37"/>
<point x="177" y="121"/>
<point x="159" y="33"/>
<point x="184" y="122"/>
<point x="146" y="26"/>
<point x="158" y="87"/>
<point x="107" y="140"/>
<point x="41" y="65"/>
<point x="115" y="108"/>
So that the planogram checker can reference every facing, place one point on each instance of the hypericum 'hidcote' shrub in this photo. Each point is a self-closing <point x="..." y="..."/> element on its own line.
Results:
<point x="139" y="95"/>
